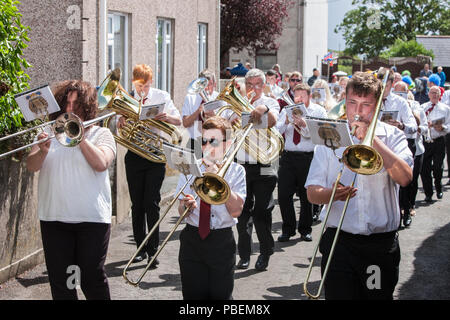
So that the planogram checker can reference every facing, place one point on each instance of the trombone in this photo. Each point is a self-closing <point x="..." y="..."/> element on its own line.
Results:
<point x="211" y="188"/>
<point x="361" y="159"/>
<point x="68" y="129"/>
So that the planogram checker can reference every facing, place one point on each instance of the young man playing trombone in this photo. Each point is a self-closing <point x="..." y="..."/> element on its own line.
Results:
<point x="207" y="247"/>
<point x="366" y="261"/>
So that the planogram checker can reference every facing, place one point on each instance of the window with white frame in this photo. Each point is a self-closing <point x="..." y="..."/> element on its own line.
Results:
<point x="164" y="54"/>
<point x="117" y="53"/>
<point x="202" y="43"/>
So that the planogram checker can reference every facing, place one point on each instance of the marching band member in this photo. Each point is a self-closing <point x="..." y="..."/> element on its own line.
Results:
<point x="330" y="102"/>
<point x="261" y="181"/>
<point x="294" y="79"/>
<point x="193" y="114"/>
<point x="74" y="198"/>
<point x="207" y="254"/>
<point x="369" y="231"/>
<point x="274" y="90"/>
<point x="408" y="198"/>
<point x="145" y="177"/>
<point x="294" y="166"/>
<point x="434" y="150"/>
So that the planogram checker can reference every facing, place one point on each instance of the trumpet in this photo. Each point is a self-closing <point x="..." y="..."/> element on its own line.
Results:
<point x="198" y="86"/>
<point x="68" y="129"/>
<point x="361" y="159"/>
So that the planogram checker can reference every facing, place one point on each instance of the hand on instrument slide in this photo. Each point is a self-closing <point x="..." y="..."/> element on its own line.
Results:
<point x="343" y="191"/>
<point x="44" y="146"/>
<point x="189" y="202"/>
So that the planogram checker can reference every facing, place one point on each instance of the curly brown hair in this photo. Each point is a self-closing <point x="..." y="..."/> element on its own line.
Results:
<point x="87" y="98"/>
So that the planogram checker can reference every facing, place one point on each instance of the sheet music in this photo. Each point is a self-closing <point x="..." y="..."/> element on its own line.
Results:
<point x="151" y="111"/>
<point x="328" y="132"/>
<point x="36" y="103"/>
<point x="183" y="160"/>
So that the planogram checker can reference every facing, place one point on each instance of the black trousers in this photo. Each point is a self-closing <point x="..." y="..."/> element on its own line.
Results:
<point x="83" y="245"/>
<point x="258" y="205"/>
<point x="207" y="266"/>
<point x="433" y="162"/>
<point x="405" y="192"/>
<point x="418" y="160"/>
<point x="144" y="179"/>
<point x="363" y="267"/>
<point x="292" y="174"/>
<point x="447" y="149"/>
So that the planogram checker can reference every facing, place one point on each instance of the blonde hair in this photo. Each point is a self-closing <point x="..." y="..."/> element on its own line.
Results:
<point x="330" y="102"/>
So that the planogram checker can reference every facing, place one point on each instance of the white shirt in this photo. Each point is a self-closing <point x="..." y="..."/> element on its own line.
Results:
<point x="220" y="218"/>
<point x="396" y="103"/>
<point x="305" y="144"/>
<point x="156" y="96"/>
<point x="440" y="110"/>
<point x="69" y="190"/>
<point x="191" y="103"/>
<point x="276" y="90"/>
<point x="260" y="139"/>
<point x="415" y="107"/>
<point x="445" y="99"/>
<point x="375" y="207"/>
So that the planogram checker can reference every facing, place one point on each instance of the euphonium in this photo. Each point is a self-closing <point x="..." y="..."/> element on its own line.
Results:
<point x="264" y="145"/>
<point x="135" y="135"/>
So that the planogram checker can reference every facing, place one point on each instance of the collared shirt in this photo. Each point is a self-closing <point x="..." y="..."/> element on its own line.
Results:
<point x="415" y="107"/>
<point x="191" y="103"/>
<point x="396" y="103"/>
<point x="440" y="110"/>
<point x="259" y="139"/>
<point x="156" y="96"/>
<point x="375" y="208"/>
<point x="445" y="99"/>
<point x="220" y="218"/>
<point x="276" y="90"/>
<point x="305" y="145"/>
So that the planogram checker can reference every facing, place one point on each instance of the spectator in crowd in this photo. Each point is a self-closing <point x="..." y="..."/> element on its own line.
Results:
<point x="248" y="65"/>
<point x="441" y="75"/>
<point x="316" y="75"/>
<point x="425" y="72"/>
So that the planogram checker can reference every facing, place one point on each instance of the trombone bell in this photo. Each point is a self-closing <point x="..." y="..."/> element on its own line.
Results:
<point x="362" y="159"/>
<point x="212" y="188"/>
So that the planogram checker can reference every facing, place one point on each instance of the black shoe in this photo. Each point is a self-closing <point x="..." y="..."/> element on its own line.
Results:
<point x="407" y="219"/>
<point x="448" y="182"/>
<point x="439" y="195"/>
<point x="306" y="237"/>
<point x="140" y="258"/>
<point x="262" y="263"/>
<point x="428" y="199"/>
<point x="285" y="237"/>
<point x="243" y="264"/>
<point x="155" y="263"/>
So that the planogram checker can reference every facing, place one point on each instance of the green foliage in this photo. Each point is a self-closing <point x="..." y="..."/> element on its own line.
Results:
<point x="376" y="24"/>
<point x="409" y="48"/>
<point x="13" y="78"/>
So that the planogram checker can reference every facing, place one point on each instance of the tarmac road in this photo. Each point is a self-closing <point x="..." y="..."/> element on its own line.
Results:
<point x="424" y="267"/>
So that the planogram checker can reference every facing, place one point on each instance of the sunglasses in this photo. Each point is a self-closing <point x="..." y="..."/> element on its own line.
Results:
<point x="213" y="142"/>
<point x="295" y="80"/>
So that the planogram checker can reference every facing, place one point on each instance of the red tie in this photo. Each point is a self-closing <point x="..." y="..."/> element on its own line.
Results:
<point x="429" y="110"/>
<point x="143" y="101"/>
<point x="297" y="136"/>
<point x="203" y="225"/>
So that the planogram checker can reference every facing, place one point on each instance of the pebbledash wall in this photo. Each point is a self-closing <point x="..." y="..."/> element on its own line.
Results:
<point x="69" y="40"/>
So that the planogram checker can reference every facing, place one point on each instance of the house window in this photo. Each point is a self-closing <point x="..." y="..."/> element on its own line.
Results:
<point x="117" y="45"/>
<point x="265" y="59"/>
<point x="164" y="54"/>
<point x="202" y="42"/>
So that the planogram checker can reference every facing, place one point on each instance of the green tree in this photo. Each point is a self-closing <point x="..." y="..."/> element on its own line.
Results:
<point x="376" y="24"/>
<point x="409" y="48"/>
<point x="13" y="78"/>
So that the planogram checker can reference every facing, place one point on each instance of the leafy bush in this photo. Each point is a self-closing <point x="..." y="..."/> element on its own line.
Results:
<point x="409" y="48"/>
<point x="13" y="78"/>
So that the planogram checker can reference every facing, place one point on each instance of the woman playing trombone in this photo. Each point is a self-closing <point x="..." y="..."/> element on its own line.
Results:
<point x="74" y="199"/>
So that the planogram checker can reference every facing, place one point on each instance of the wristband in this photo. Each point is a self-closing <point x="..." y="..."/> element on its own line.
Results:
<point x="266" y="110"/>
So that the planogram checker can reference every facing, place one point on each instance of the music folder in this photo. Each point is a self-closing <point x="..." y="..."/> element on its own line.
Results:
<point x="37" y="103"/>
<point x="151" y="111"/>
<point x="318" y="95"/>
<point x="182" y="160"/>
<point x="331" y="133"/>
<point x="213" y="105"/>
<point x="296" y="109"/>
<point x="388" y="115"/>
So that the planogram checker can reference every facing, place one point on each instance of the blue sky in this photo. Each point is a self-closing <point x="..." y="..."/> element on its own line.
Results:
<point x="336" y="13"/>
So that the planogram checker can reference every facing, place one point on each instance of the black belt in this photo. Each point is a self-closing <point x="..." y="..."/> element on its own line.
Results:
<point x="195" y="229"/>
<point x="299" y="153"/>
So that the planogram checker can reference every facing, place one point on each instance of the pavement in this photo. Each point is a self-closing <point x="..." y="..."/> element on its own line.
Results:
<point x="424" y="266"/>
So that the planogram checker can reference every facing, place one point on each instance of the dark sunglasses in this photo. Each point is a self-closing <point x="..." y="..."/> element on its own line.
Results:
<point x="213" y="142"/>
<point x="295" y="80"/>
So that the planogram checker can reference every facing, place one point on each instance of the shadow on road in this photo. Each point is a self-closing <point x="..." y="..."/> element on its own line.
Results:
<point x="430" y="280"/>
